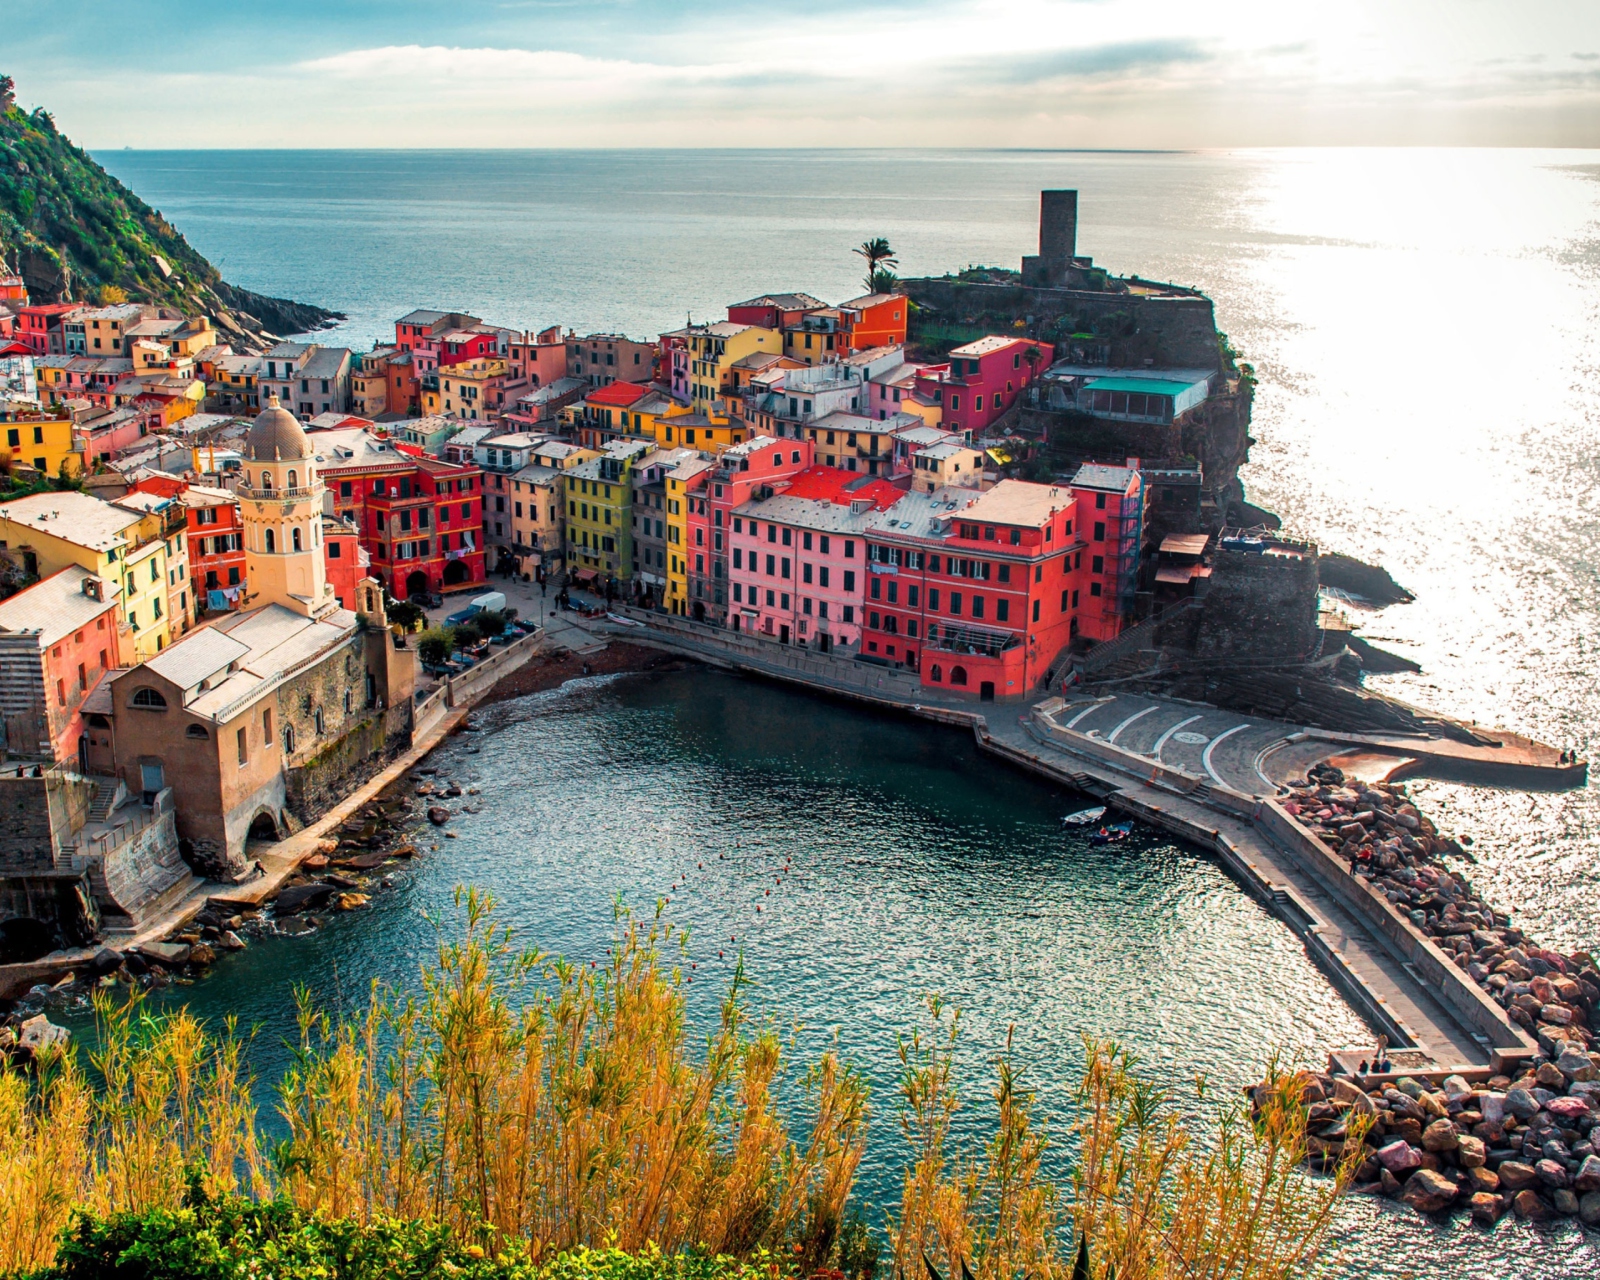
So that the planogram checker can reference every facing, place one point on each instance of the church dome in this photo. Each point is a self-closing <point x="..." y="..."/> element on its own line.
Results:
<point x="276" y="436"/>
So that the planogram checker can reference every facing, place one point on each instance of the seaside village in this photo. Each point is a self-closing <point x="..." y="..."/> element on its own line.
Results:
<point x="211" y="562"/>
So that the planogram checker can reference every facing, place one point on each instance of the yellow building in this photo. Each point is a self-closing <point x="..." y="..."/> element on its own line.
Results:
<point x="46" y="444"/>
<point x="714" y="350"/>
<point x="472" y="389"/>
<point x="167" y="519"/>
<point x="687" y="478"/>
<point x="50" y="531"/>
<point x="599" y="497"/>
<point x="711" y="433"/>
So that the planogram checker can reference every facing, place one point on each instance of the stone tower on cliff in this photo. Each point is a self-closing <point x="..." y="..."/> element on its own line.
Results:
<point x="1058" y="241"/>
<point x="280" y="506"/>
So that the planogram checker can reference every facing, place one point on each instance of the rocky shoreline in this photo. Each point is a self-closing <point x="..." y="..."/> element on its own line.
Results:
<point x="1526" y="1145"/>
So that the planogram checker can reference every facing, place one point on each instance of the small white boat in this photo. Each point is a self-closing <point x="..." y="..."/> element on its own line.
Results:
<point x="1084" y="817"/>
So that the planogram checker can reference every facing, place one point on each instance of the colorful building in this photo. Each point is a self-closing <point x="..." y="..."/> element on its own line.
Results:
<point x="774" y="310"/>
<point x="685" y="488"/>
<point x="539" y="359"/>
<point x="420" y="519"/>
<point x="799" y="558"/>
<point x="599" y="496"/>
<point x="604" y="358"/>
<point x="54" y="531"/>
<point x="983" y="594"/>
<point x="477" y="390"/>
<point x="345" y="561"/>
<point x="46" y="442"/>
<point x="982" y="380"/>
<point x="712" y="352"/>
<point x="166" y="519"/>
<point x="58" y="639"/>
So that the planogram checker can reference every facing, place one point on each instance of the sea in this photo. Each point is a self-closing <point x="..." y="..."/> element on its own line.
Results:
<point x="1425" y="327"/>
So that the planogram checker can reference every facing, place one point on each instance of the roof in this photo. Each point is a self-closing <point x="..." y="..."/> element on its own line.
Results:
<point x="923" y="515"/>
<point x="289" y="350"/>
<point x="836" y="484"/>
<point x="844" y="420"/>
<point x="57" y="606"/>
<point x="276" y="434"/>
<point x="326" y="362"/>
<point x="693" y="467"/>
<point x="197" y="658"/>
<point x="782" y="301"/>
<point x="72" y="517"/>
<point x="269" y="644"/>
<point x="515" y="440"/>
<point x="870" y="300"/>
<point x="553" y="391"/>
<point x="1184" y="544"/>
<point x="1092" y="475"/>
<point x="808" y="513"/>
<point x="199" y="495"/>
<point x="617" y="393"/>
<point x="924" y="435"/>
<point x="353" y="447"/>
<point x="988" y="346"/>
<point x="945" y="449"/>
<point x="139" y="500"/>
<point x="535" y="474"/>
<point x="1141" y="386"/>
<point x="1020" y="502"/>
<point x="422" y="317"/>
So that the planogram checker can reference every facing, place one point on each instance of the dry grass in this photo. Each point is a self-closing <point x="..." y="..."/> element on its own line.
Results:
<point x="519" y="1097"/>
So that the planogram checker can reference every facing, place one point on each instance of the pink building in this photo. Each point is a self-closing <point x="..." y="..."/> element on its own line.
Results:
<point x="799" y="557"/>
<point x="539" y="358"/>
<point x="742" y="471"/>
<point x="982" y="380"/>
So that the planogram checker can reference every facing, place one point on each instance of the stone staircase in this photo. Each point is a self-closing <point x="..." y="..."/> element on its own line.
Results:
<point x="109" y="793"/>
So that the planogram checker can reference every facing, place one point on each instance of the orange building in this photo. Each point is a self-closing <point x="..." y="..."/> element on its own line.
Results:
<point x="875" y="320"/>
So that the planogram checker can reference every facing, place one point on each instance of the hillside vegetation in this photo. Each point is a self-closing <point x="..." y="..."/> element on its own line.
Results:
<point x="72" y="231"/>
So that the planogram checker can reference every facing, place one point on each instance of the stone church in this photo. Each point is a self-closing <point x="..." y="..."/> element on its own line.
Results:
<point x="263" y="720"/>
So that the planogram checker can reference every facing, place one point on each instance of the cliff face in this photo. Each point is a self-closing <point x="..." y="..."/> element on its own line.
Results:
<point x="71" y="230"/>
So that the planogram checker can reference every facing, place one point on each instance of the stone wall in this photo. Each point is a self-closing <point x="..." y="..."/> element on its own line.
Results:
<point x="143" y="874"/>
<point x="43" y="912"/>
<point x="1259" y="608"/>
<point x="37" y="815"/>
<point x="1173" y="331"/>
<point x="316" y="784"/>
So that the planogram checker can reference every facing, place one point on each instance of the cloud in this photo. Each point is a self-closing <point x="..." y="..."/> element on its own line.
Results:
<point x="1094" y="60"/>
<point x="415" y="62"/>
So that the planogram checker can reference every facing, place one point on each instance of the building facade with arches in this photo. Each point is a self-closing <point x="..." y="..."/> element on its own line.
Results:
<point x="261" y="721"/>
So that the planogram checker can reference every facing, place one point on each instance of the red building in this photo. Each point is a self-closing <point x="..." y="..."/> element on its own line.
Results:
<point x="420" y="520"/>
<point x="982" y="380"/>
<point x="214" y="537"/>
<point x="774" y="310"/>
<point x="984" y="593"/>
<point x="41" y="326"/>
<point x="344" y="558"/>
<point x="457" y="346"/>
<point x="539" y="358"/>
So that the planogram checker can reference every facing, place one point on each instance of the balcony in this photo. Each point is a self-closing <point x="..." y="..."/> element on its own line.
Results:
<point x="972" y="641"/>
<point x="278" y="495"/>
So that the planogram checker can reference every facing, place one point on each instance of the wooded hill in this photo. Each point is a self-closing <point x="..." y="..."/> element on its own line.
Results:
<point x="72" y="231"/>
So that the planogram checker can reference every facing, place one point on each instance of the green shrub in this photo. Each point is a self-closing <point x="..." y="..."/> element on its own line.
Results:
<point x="235" y="1237"/>
<point x="436" y="643"/>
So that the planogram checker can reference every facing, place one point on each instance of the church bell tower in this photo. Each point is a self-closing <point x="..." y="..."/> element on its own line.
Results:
<point x="280" y="507"/>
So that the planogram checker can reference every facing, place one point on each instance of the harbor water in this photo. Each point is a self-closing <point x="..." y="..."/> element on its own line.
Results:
<point x="1423" y="327"/>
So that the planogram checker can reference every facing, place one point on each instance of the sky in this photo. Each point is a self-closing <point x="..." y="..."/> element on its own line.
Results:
<point x="811" y="73"/>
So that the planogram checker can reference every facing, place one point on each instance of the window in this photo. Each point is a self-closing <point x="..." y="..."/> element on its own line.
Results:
<point x="1036" y="611"/>
<point x="933" y="599"/>
<point x="849" y="580"/>
<point x="197" y="731"/>
<point x="288" y="739"/>
<point x="1099" y="531"/>
<point x="1099" y="502"/>
<point x="977" y="606"/>
<point x="849" y="613"/>
<point x="1097" y="564"/>
<point x="61" y="693"/>
<point x="772" y="562"/>
<point x="822" y="576"/>
<point x="1065" y="600"/>
<point x="272" y="541"/>
<point x="1005" y="570"/>
<point x="295" y="535"/>
<point x="955" y="602"/>
<point x="316" y="719"/>
<point x="876" y="589"/>
<point x="1094" y="588"/>
<point x="244" y="748"/>
<point x="150" y="698"/>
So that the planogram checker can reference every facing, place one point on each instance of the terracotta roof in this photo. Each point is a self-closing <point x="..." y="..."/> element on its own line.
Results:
<point x="617" y="393"/>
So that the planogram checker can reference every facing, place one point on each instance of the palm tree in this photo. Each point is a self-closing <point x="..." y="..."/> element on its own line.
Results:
<point x="877" y="252"/>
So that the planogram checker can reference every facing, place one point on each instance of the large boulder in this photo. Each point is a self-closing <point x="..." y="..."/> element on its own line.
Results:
<point x="1528" y="1205"/>
<point x="1587" y="1178"/>
<point x="1575" y="1066"/>
<point x="1428" y="1192"/>
<point x="1440" y="1136"/>
<point x="171" y="955"/>
<point x="1514" y="1175"/>
<point x="38" y="1033"/>
<point x="1400" y="1157"/>
<point x="1522" y="1104"/>
<point x="1568" y="1108"/>
<point x="302" y="897"/>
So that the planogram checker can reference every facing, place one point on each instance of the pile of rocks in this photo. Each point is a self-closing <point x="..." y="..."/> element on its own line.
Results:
<point x="1554" y="997"/>
<point x="1526" y="1145"/>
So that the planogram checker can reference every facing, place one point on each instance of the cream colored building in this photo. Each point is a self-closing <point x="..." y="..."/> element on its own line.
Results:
<point x="280" y="507"/>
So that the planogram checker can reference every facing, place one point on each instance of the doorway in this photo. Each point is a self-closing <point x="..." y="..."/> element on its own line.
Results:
<point x="783" y="635"/>
<point x="416" y="583"/>
<point x="986" y="691"/>
<point x="455" y="572"/>
<point x="152" y="780"/>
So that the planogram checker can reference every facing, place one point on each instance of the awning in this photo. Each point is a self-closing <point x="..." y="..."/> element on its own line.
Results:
<point x="1184" y="544"/>
<point x="585" y="575"/>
